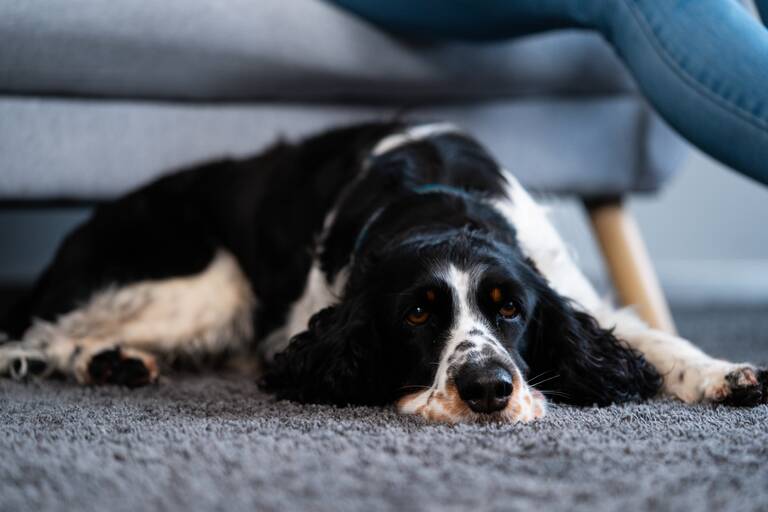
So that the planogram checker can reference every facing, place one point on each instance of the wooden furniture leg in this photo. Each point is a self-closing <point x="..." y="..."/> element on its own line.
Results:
<point x="631" y="270"/>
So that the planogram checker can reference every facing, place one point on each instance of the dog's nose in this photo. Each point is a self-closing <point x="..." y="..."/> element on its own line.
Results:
<point x="485" y="389"/>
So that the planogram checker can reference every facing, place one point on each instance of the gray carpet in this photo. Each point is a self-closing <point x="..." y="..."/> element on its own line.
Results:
<point x="208" y="443"/>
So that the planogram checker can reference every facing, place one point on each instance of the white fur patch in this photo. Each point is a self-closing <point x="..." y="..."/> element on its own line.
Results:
<point x="412" y="134"/>
<point x="318" y="294"/>
<point x="465" y="320"/>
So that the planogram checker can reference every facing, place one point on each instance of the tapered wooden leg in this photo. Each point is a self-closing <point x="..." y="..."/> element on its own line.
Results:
<point x="630" y="266"/>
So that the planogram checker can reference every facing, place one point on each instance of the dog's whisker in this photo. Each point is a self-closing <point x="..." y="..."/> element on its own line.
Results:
<point x="539" y="383"/>
<point x="541" y="373"/>
<point x="538" y="376"/>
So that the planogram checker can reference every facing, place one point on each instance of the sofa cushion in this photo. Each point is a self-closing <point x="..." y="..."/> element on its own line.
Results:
<point x="93" y="150"/>
<point x="304" y="50"/>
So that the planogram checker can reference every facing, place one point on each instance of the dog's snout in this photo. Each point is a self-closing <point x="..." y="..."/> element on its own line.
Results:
<point x="485" y="389"/>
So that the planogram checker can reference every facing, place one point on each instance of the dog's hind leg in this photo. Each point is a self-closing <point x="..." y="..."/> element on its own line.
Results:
<point x="89" y="361"/>
<point x="116" y="335"/>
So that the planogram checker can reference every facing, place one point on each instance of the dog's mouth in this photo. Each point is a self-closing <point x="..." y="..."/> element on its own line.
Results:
<point x="524" y="404"/>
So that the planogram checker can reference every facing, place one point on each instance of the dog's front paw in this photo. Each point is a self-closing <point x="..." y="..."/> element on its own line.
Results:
<point x="734" y="384"/>
<point x="745" y="386"/>
<point x="722" y="382"/>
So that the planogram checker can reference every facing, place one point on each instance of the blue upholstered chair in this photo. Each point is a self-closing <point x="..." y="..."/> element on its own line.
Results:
<point x="96" y="98"/>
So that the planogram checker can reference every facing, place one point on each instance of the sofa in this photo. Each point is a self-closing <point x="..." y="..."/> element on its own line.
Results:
<point x="98" y="97"/>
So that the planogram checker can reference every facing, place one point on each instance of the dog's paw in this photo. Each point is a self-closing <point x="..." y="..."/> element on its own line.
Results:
<point x="121" y="366"/>
<point x="745" y="386"/>
<point x="733" y="384"/>
<point x="719" y="382"/>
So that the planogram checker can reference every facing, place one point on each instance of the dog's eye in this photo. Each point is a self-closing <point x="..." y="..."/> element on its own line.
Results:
<point x="417" y="316"/>
<point x="508" y="310"/>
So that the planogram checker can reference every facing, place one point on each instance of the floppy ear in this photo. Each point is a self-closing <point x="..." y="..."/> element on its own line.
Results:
<point x="589" y="365"/>
<point x="337" y="360"/>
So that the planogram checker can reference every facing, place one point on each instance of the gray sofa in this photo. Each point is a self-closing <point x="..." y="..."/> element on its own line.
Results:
<point x="97" y="97"/>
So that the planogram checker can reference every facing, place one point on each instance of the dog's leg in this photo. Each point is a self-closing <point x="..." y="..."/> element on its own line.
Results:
<point x="89" y="360"/>
<point x="115" y="336"/>
<point x="688" y="373"/>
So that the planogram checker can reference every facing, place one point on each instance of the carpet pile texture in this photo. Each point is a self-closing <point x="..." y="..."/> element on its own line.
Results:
<point x="216" y="443"/>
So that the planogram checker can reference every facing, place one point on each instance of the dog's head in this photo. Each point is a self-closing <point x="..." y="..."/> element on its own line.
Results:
<point x="444" y="316"/>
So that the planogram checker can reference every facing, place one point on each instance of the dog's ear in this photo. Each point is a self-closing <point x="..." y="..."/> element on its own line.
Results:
<point x="586" y="363"/>
<point x="337" y="360"/>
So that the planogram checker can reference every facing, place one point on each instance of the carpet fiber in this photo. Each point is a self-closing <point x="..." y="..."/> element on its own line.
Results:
<point x="216" y="443"/>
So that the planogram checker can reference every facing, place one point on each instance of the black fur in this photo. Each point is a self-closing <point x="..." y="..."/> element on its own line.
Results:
<point x="451" y="160"/>
<point x="339" y="359"/>
<point x="579" y="361"/>
<point x="359" y="353"/>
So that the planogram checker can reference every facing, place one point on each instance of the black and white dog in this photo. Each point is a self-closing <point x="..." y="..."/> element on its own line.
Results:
<point x="380" y="263"/>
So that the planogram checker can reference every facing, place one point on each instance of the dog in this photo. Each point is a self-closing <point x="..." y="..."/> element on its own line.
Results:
<point x="381" y="263"/>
